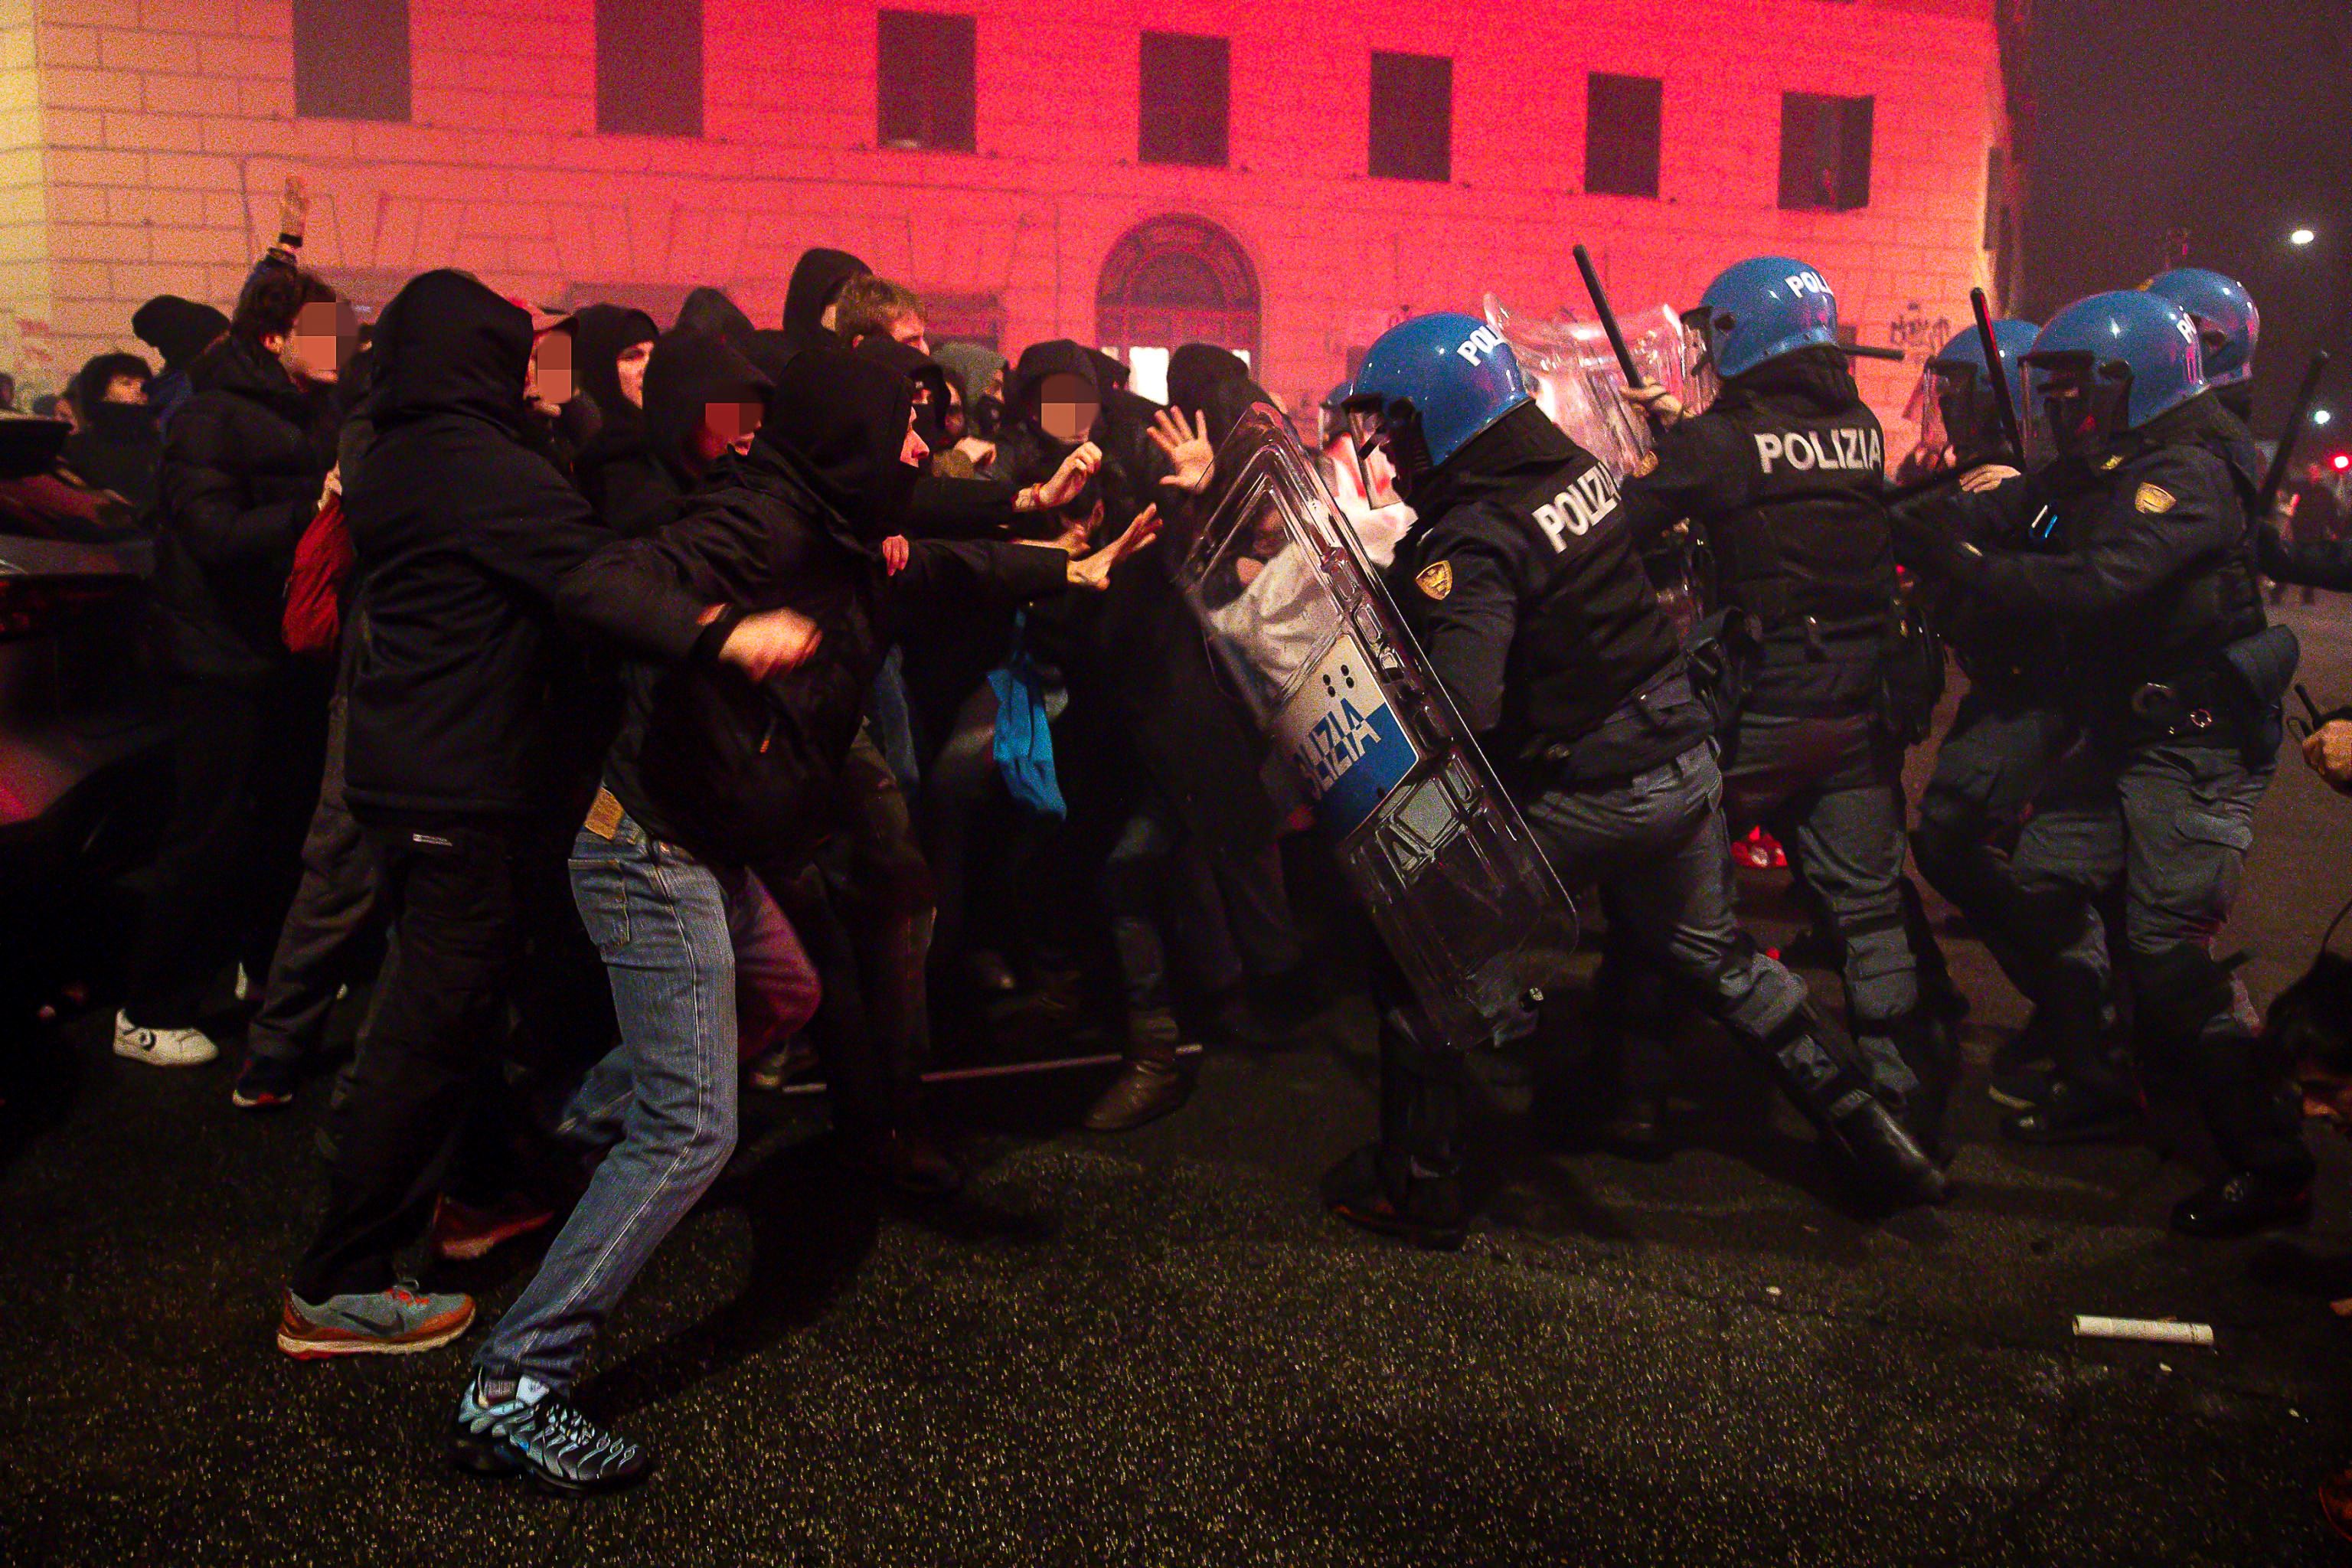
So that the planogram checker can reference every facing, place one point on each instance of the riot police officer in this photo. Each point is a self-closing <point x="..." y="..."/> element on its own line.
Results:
<point x="1784" y="473"/>
<point x="2012" y="727"/>
<point x="2228" y="330"/>
<point x="1522" y="582"/>
<point x="2176" y="681"/>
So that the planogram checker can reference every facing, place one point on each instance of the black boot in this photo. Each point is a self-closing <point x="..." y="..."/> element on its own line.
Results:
<point x="2243" y="1202"/>
<point x="1932" y="1052"/>
<point x="1869" y="1144"/>
<point x="1399" y="1198"/>
<point x="2067" y="1111"/>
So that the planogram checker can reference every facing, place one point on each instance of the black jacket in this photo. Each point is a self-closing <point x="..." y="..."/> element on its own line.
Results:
<point x="1524" y="585"/>
<point x="240" y="478"/>
<point x="741" y="774"/>
<point x="470" y="548"/>
<point x="637" y="486"/>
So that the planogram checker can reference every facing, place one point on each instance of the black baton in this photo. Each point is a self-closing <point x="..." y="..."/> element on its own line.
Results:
<point x="2002" y="402"/>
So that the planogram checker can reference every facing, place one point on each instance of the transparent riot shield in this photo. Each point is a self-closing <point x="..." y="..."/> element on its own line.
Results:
<point x="1298" y="619"/>
<point x="1574" y="376"/>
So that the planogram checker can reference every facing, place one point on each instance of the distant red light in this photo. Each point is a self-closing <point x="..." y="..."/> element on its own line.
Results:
<point x="2342" y="460"/>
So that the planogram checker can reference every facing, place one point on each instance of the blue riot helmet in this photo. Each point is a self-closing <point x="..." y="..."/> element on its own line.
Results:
<point x="1427" y="387"/>
<point x="2111" y="363"/>
<point x="1761" y="309"/>
<point x="1960" y="409"/>
<point x="2227" y="322"/>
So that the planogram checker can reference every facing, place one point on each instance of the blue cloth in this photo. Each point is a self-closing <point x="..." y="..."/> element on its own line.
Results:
<point x="1024" y="739"/>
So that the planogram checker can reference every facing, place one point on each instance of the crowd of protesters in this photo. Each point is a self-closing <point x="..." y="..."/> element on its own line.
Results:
<point x="628" y="712"/>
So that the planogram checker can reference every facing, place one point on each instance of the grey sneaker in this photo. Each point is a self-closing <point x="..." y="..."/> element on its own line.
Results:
<point x="382" y="1322"/>
<point x="537" y="1434"/>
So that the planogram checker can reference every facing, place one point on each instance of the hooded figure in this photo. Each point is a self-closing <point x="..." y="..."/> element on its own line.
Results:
<point x="639" y="488"/>
<point x="817" y="278"/>
<point x="602" y="334"/>
<point x="708" y="309"/>
<point x="118" y="445"/>
<point x="1194" y="368"/>
<point x="930" y="381"/>
<point x="973" y="368"/>
<point x="181" y="331"/>
<point x="471" y="545"/>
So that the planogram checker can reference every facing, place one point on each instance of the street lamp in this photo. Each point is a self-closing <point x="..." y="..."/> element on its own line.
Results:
<point x="2301" y="237"/>
<point x="2321" y="416"/>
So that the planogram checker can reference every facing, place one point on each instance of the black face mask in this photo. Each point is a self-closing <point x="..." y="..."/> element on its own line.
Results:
<point x="124" y="423"/>
<point x="985" y="416"/>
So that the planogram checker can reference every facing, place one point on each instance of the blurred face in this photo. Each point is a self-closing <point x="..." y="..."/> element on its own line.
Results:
<point x="913" y="451"/>
<point x="951" y="419"/>
<point x="995" y="387"/>
<point x="319" y="344"/>
<point x="126" y="389"/>
<point x="727" y="427"/>
<point x="631" y="368"/>
<point x="1066" y="408"/>
<point x="552" y="384"/>
<point x="910" y="330"/>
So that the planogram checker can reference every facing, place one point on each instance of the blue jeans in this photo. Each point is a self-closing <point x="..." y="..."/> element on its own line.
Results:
<point x="698" y="958"/>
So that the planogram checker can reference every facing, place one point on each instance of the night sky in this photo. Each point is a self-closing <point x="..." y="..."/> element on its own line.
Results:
<point x="2231" y="120"/>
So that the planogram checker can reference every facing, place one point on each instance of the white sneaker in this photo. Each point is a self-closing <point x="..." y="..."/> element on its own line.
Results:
<point x="243" y="984"/>
<point x="161" y="1047"/>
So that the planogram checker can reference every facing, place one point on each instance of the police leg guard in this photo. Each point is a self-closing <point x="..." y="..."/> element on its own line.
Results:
<point x="1409" y="1183"/>
<point x="1868" y="1142"/>
<point x="1931" y="1050"/>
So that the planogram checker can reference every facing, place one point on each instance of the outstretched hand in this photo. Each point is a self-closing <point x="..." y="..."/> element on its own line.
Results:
<point x="894" y="555"/>
<point x="1093" y="572"/>
<point x="1187" y="448"/>
<point x="294" y="208"/>
<point x="1987" y="477"/>
<point x="771" y="642"/>
<point x="1070" y="478"/>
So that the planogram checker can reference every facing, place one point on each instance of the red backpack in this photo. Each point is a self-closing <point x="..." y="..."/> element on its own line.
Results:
<point x="323" y="558"/>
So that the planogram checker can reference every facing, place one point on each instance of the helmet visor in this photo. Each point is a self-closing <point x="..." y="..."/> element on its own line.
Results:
<point x="2079" y="405"/>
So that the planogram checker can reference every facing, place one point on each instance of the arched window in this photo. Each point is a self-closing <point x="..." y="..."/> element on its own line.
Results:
<point x="1173" y="280"/>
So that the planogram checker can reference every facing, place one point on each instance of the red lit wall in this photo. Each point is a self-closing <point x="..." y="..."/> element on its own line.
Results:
<point x="152" y="135"/>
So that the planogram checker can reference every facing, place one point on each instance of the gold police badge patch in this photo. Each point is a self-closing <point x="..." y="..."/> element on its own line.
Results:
<point x="1436" y="580"/>
<point x="2153" y="499"/>
<point x="2112" y="464"/>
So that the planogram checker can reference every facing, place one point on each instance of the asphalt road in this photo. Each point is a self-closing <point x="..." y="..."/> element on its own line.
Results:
<point x="1155" y="1349"/>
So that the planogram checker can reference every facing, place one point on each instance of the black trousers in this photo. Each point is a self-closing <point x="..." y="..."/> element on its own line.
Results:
<point x="246" y="761"/>
<point x="452" y="889"/>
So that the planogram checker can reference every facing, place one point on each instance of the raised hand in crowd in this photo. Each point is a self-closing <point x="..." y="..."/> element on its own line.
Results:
<point x="1094" y="571"/>
<point x="1068" y="480"/>
<point x="1185" y="440"/>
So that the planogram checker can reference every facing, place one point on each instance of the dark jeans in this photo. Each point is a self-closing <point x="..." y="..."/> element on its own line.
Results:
<point x="246" y="761"/>
<point x="451" y="893"/>
<point x="327" y="938"/>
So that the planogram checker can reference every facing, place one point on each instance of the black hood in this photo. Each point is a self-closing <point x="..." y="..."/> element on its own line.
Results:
<point x="1502" y="458"/>
<point x="842" y="419"/>
<point x="178" y="329"/>
<point x="817" y="277"/>
<point x="448" y="344"/>
<point x="1054" y="356"/>
<point x="1194" y="368"/>
<point x="709" y="309"/>
<point x="923" y="370"/>
<point x="1108" y="370"/>
<point x="690" y="368"/>
<point x="1819" y="376"/>
<point x="599" y="333"/>
<point x="1227" y="401"/>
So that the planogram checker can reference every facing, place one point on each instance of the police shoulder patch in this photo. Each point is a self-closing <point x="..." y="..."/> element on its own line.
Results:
<point x="1647" y="466"/>
<point x="1436" y="579"/>
<point x="2153" y="499"/>
<point x="2114" y="462"/>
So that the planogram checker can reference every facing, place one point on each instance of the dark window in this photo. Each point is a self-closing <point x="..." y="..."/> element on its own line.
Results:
<point x="649" y="67"/>
<point x="923" y="95"/>
<point x="1621" y="134"/>
<point x="1413" y="117"/>
<point x="1824" y="152"/>
<point x="1186" y="92"/>
<point x="350" y="59"/>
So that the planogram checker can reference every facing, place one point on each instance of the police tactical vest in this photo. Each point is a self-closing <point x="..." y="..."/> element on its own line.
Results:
<point x="1806" y="559"/>
<point x="1590" y="635"/>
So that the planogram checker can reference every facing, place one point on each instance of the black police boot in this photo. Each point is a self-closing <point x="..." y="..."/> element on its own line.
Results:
<point x="2068" y="1112"/>
<point x="2243" y="1202"/>
<point x="1397" y="1196"/>
<point x="1932" y="1052"/>
<point x="1636" y="1124"/>
<point x="1870" y="1146"/>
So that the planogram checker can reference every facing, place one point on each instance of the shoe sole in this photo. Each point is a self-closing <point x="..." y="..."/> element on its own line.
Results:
<point x="153" y="1061"/>
<point x="488" y="1460"/>
<point x="321" y="1350"/>
<point x="482" y="1246"/>
<point x="260" y="1101"/>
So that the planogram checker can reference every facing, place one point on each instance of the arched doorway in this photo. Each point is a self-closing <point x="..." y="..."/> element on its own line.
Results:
<point x="1171" y="280"/>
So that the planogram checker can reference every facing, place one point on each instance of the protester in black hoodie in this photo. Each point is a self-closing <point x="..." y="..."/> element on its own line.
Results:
<point x="181" y="331"/>
<point x="692" y="373"/>
<point x="245" y="470"/>
<point x="809" y="299"/>
<point x="615" y="351"/>
<point x="472" y="550"/>
<point x="116" y="445"/>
